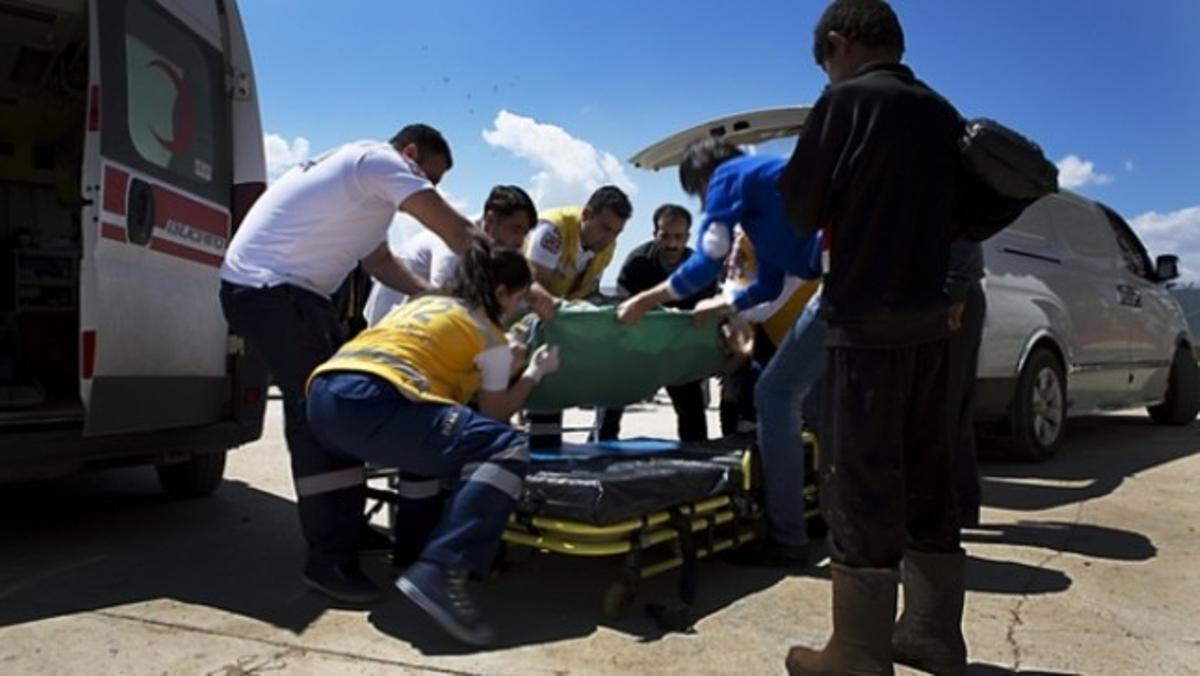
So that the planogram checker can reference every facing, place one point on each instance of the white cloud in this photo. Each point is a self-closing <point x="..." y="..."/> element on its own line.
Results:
<point x="461" y="204"/>
<point x="1075" y="172"/>
<point x="282" y="155"/>
<point x="1177" y="232"/>
<point x="568" y="168"/>
<point x="1129" y="165"/>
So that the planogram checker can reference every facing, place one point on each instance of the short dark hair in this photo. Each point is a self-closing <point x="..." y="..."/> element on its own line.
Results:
<point x="612" y="199"/>
<point x="670" y="212"/>
<point x="427" y="139"/>
<point x="506" y="200"/>
<point x="701" y="159"/>
<point x="867" y="22"/>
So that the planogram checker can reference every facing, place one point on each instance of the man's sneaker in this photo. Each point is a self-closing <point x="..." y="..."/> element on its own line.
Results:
<point x="442" y="594"/>
<point x="771" y="554"/>
<point x="343" y="582"/>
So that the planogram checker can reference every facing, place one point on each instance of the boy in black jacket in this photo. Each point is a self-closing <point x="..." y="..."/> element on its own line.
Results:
<point x="877" y="168"/>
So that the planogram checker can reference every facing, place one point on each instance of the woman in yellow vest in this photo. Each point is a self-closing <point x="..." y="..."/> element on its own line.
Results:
<point x="396" y="396"/>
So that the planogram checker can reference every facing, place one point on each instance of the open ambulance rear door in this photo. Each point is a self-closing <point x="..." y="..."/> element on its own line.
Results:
<point x="159" y="173"/>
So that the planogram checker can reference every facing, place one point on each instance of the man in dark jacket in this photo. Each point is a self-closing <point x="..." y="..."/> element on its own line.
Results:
<point x="646" y="267"/>
<point x="877" y="169"/>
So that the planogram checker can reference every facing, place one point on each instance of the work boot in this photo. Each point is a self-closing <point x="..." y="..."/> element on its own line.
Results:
<point x="343" y="581"/>
<point x="442" y="593"/>
<point x="864" y="609"/>
<point x="928" y="635"/>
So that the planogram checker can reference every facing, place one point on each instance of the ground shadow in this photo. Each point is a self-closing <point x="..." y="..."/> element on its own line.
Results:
<point x="1099" y="453"/>
<point x="1090" y="540"/>
<point x="990" y="576"/>
<point x="981" y="669"/>
<point x="549" y="598"/>
<point x="103" y="540"/>
<point x="100" y="540"/>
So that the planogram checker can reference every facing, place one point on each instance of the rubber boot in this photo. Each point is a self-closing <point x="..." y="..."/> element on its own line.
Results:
<point x="928" y="635"/>
<point x="864" y="610"/>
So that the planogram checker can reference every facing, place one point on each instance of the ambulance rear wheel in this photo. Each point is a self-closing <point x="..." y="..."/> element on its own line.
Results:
<point x="194" y="478"/>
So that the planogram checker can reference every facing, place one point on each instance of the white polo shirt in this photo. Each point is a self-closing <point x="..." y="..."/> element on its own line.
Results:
<point x="314" y="224"/>
<point x="429" y="257"/>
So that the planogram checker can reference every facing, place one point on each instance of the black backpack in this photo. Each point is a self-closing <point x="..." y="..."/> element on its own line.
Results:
<point x="1004" y="173"/>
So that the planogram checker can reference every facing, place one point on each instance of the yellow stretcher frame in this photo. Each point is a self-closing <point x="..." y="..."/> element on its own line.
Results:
<point x="630" y="537"/>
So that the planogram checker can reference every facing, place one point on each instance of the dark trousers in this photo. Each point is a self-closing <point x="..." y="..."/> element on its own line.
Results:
<point x="964" y="362"/>
<point x="691" y="419"/>
<point x="367" y="417"/>
<point x="887" y="467"/>
<point x="545" y="430"/>
<point x="295" y="331"/>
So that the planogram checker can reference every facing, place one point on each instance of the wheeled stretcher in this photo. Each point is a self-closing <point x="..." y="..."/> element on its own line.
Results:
<point x="660" y="506"/>
<point x="657" y="505"/>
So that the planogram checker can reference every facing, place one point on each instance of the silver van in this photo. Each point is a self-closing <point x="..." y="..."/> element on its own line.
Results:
<point x="130" y="148"/>
<point x="1079" y="319"/>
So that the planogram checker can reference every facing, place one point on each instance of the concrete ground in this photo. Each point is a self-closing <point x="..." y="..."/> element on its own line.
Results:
<point x="1085" y="564"/>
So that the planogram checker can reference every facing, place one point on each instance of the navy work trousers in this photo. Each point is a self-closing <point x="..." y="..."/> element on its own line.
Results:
<point x="294" y="331"/>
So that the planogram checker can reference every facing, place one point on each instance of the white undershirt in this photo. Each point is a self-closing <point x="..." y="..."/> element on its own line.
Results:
<point x="495" y="367"/>
<point x="546" y="251"/>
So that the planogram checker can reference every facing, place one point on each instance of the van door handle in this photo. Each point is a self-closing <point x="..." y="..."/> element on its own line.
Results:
<point x="1129" y="295"/>
<point x="139" y="216"/>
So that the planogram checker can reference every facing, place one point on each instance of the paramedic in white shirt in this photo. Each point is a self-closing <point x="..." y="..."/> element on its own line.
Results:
<point x="508" y="215"/>
<point x="292" y="251"/>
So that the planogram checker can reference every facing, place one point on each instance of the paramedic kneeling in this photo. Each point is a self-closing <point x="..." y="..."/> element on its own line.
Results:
<point x="395" y="396"/>
<point x="293" y="250"/>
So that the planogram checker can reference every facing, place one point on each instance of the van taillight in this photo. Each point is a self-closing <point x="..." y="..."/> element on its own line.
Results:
<point x="88" y="353"/>
<point x="94" y="108"/>
<point x="252" y="396"/>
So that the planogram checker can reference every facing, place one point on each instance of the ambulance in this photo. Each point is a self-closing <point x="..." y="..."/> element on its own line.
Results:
<point x="130" y="148"/>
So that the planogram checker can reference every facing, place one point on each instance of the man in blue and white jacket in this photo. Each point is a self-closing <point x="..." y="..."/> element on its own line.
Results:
<point x="734" y="189"/>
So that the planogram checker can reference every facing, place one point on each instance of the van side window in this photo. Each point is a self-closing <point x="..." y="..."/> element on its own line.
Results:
<point x="165" y="111"/>
<point x="1031" y="232"/>
<point x="1083" y="232"/>
<point x="1132" y="252"/>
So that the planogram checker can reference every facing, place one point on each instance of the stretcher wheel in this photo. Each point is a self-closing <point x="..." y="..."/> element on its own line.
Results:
<point x="617" y="598"/>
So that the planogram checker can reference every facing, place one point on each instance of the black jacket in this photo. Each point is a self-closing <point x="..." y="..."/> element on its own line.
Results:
<point x="877" y="167"/>
<point x="644" y="269"/>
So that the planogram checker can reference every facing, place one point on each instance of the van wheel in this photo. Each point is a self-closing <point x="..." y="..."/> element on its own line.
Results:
<point x="195" y="478"/>
<point x="1039" y="408"/>
<point x="1183" y="391"/>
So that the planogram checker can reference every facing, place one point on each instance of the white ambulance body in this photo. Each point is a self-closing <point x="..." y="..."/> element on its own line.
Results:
<point x="130" y="148"/>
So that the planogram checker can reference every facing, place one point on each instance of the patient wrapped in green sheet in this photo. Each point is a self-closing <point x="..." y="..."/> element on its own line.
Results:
<point x="608" y="364"/>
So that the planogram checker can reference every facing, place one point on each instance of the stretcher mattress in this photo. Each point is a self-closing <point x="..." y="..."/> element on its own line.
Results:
<point x="609" y="482"/>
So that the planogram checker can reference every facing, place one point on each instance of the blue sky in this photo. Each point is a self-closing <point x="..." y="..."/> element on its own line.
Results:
<point x="556" y="96"/>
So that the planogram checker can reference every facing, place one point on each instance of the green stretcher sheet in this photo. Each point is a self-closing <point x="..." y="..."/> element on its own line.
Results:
<point x="603" y="363"/>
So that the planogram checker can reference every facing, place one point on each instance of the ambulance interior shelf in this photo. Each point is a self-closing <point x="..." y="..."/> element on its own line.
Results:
<point x="39" y="302"/>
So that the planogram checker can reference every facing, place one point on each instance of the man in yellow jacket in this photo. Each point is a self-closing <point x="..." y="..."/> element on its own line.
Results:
<point x="571" y="246"/>
<point x="569" y="250"/>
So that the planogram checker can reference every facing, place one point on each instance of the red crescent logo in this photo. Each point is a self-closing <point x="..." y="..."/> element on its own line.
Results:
<point x="184" y="122"/>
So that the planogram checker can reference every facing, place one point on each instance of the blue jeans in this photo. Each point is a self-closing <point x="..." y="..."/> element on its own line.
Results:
<point x="781" y="396"/>
<point x="367" y="418"/>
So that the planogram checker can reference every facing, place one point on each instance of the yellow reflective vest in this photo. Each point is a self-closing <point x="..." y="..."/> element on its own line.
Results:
<point x="568" y="222"/>
<point x="426" y="348"/>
